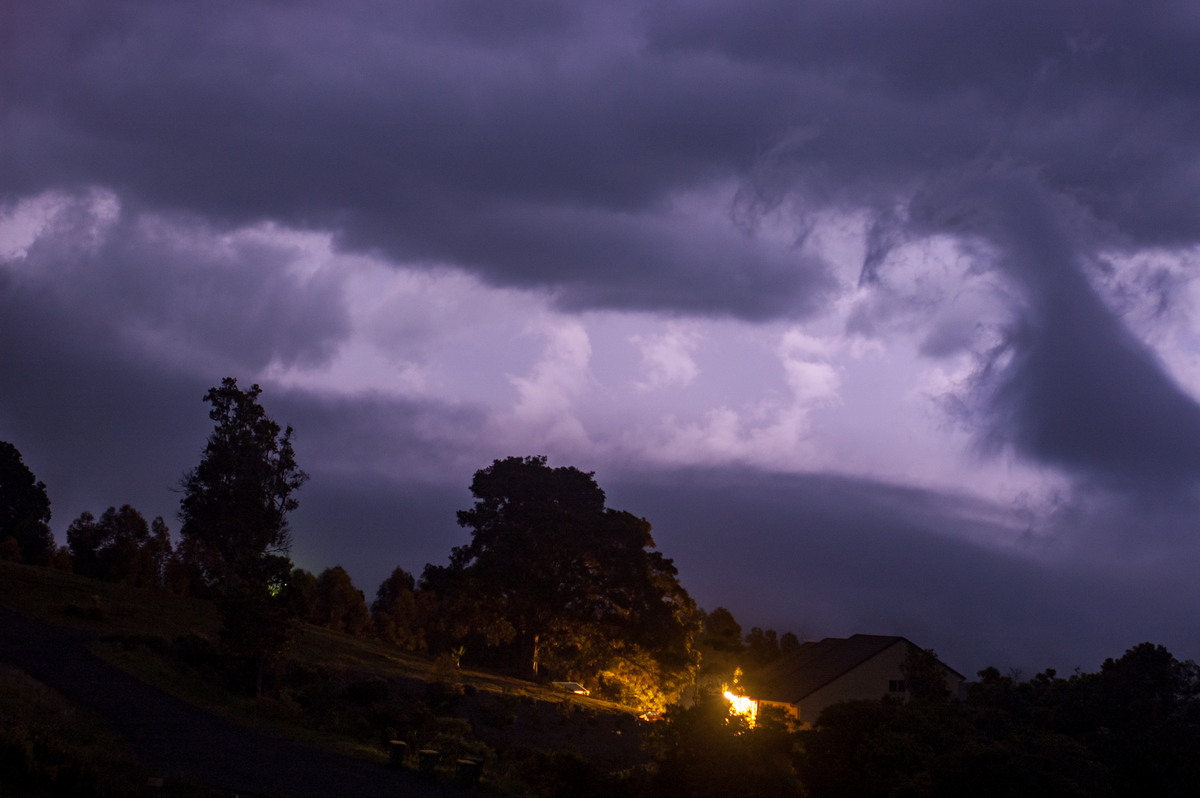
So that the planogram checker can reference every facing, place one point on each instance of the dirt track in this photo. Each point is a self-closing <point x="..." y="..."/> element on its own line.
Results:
<point x="174" y="737"/>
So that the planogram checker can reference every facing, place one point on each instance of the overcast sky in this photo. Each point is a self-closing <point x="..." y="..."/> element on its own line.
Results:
<point x="883" y="313"/>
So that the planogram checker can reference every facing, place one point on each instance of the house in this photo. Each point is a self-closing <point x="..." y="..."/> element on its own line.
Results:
<point x="805" y="681"/>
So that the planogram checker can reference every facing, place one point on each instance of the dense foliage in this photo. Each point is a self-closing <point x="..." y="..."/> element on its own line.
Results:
<point x="24" y="511"/>
<point x="706" y="750"/>
<point x="394" y="612"/>
<point x="234" y="515"/>
<point x="339" y="605"/>
<point x="1132" y="729"/>
<point x="559" y="583"/>
<point x="236" y="501"/>
<point x="120" y="547"/>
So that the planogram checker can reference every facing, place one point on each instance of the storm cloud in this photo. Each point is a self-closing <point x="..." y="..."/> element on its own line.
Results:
<point x="924" y="271"/>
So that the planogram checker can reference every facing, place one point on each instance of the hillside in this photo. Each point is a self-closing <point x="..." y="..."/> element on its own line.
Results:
<point x="341" y="694"/>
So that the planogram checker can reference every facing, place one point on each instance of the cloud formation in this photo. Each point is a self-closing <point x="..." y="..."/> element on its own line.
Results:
<point x="924" y="270"/>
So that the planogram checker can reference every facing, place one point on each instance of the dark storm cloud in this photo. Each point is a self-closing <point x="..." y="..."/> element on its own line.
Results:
<point x="113" y="326"/>
<point x="1059" y="133"/>
<point x="566" y="148"/>
<point x="156" y="286"/>
<point x="440" y="133"/>
<point x="548" y="146"/>
<point x="414" y="136"/>
<point x="829" y="556"/>
<point x="1098" y="96"/>
<point x="1069" y="385"/>
<point x="403" y="124"/>
<point x="102" y="426"/>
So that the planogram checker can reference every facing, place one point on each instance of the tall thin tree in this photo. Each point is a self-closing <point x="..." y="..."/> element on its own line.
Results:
<point x="234" y="515"/>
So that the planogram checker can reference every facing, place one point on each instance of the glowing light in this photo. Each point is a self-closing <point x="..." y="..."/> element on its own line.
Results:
<point x="742" y="705"/>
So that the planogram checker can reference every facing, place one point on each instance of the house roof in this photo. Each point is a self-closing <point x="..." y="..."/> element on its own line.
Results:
<point x="815" y="664"/>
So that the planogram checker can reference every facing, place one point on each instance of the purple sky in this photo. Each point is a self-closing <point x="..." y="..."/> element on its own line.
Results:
<point x="883" y="313"/>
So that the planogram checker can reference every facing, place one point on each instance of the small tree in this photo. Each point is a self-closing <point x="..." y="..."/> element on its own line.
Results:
<point x="234" y="515"/>
<point x="24" y="510"/>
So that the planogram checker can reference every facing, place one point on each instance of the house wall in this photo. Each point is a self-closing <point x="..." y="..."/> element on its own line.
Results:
<point x="867" y="681"/>
<point x="870" y="680"/>
<point x="790" y="712"/>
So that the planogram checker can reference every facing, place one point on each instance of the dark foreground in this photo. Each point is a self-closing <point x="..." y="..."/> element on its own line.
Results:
<point x="174" y="738"/>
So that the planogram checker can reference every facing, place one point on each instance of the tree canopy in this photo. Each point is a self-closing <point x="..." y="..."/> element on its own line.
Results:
<point x="564" y="581"/>
<point x="1131" y="729"/>
<point x="394" y="611"/>
<point x="339" y="605"/>
<point x="236" y="501"/>
<point x="120" y="547"/>
<point x="24" y="509"/>
<point x="234" y="515"/>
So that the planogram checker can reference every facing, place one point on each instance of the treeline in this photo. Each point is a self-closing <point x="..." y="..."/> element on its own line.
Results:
<point x="553" y="584"/>
<point x="1131" y="729"/>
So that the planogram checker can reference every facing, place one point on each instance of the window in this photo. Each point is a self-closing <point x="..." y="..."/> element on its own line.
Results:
<point x="895" y="685"/>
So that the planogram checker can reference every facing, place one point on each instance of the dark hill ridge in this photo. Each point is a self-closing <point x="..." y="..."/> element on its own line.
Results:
<point x="177" y="738"/>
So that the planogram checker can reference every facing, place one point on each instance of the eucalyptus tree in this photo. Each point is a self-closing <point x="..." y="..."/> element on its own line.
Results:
<point x="234" y="512"/>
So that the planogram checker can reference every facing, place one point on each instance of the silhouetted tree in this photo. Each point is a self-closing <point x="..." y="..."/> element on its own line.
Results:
<point x="156" y="552"/>
<point x="762" y="646"/>
<point x="1139" y="715"/>
<point x="300" y="594"/>
<point x="720" y="647"/>
<point x="340" y="606"/>
<point x="941" y="749"/>
<point x="394" y="612"/>
<point x="565" y="581"/>
<point x="234" y="515"/>
<point x="24" y="511"/>
<point x="119" y="547"/>
<point x="721" y="631"/>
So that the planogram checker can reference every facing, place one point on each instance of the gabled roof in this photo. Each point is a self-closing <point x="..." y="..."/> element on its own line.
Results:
<point x="810" y="667"/>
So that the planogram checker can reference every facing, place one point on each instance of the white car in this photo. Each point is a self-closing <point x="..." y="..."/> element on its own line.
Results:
<point x="572" y="687"/>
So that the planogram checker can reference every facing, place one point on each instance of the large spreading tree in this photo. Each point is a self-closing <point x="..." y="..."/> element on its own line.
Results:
<point x="235" y="534"/>
<point x="567" y="584"/>
<point x="24" y="510"/>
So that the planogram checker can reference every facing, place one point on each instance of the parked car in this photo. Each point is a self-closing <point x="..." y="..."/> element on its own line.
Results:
<point x="572" y="687"/>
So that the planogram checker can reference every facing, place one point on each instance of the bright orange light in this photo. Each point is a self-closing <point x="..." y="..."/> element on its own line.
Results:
<point x="742" y="705"/>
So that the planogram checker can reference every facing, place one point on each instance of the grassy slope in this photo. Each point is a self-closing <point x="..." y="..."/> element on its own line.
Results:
<point x="45" y="594"/>
<point x="122" y="614"/>
<point x="131" y="612"/>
